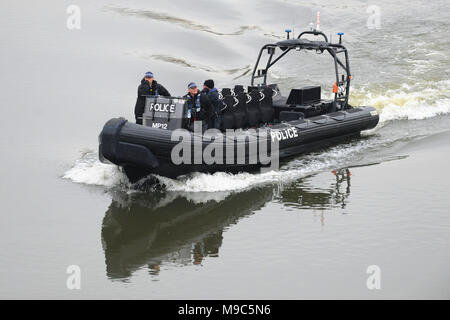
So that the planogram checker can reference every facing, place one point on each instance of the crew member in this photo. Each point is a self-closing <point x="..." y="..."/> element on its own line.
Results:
<point x="148" y="87"/>
<point x="213" y="117"/>
<point x="193" y="111"/>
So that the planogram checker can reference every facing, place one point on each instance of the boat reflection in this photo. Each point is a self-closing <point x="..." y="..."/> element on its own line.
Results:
<point x="142" y="230"/>
<point x="305" y="194"/>
<point x="171" y="227"/>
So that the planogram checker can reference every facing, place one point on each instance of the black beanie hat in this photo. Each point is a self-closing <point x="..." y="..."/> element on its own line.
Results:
<point x="209" y="83"/>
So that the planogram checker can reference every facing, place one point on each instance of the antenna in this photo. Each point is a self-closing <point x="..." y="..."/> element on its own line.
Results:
<point x="293" y="29"/>
<point x="318" y="21"/>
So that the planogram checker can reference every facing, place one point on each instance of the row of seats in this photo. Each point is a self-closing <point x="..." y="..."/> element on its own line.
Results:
<point x="242" y="110"/>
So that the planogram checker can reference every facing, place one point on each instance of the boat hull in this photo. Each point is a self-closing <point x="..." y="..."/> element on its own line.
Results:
<point x="142" y="150"/>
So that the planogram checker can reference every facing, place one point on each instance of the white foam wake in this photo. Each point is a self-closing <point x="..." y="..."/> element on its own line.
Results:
<point x="415" y="110"/>
<point x="89" y="170"/>
<point x="407" y="102"/>
<point x="333" y="158"/>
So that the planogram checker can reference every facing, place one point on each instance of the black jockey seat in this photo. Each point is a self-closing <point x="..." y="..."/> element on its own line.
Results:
<point x="226" y="92"/>
<point x="266" y="106"/>
<point x="253" y="108"/>
<point x="240" y="112"/>
<point x="228" y="113"/>
<point x="238" y="89"/>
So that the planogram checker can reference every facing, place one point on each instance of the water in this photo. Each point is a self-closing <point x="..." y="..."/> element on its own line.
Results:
<point x="309" y="230"/>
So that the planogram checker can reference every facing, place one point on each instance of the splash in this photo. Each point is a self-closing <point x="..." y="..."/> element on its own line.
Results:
<point x="406" y="102"/>
<point x="306" y="165"/>
<point x="89" y="170"/>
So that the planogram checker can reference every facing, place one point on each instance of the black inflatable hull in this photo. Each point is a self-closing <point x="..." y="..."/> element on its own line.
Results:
<point x="142" y="150"/>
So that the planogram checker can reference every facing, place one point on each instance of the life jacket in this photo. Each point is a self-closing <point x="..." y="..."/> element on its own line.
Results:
<point x="196" y="107"/>
<point x="156" y="90"/>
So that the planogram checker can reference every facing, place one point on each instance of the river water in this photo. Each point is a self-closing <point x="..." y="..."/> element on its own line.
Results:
<point x="314" y="229"/>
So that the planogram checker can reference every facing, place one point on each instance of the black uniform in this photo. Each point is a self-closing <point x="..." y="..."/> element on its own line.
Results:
<point x="193" y="109"/>
<point x="198" y="109"/>
<point x="214" y="117"/>
<point x="144" y="89"/>
<point x="207" y="109"/>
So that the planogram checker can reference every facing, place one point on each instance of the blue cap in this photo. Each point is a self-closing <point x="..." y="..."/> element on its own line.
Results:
<point x="288" y="30"/>
<point x="340" y="33"/>
<point x="192" y="85"/>
<point x="149" y="74"/>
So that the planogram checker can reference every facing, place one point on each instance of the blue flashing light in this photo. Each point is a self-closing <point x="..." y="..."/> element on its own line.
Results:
<point x="340" y="33"/>
<point x="288" y="31"/>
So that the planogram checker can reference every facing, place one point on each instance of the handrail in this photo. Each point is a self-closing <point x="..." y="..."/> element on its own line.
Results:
<point x="333" y="49"/>
<point x="314" y="32"/>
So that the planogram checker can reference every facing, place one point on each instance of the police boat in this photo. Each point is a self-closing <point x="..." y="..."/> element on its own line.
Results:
<point x="259" y="126"/>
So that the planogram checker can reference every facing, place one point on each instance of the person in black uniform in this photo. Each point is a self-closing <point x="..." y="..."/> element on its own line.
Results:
<point x="213" y="115"/>
<point x="198" y="107"/>
<point x="148" y="87"/>
<point x="193" y="111"/>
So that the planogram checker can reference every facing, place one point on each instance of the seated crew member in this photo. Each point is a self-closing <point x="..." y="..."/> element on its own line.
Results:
<point x="213" y="117"/>
<point x="193" y="111"/>
<point x="148" y="86"/>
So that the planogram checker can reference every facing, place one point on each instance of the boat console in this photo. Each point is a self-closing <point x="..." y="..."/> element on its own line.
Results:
<point x="306" y="101"/>
<point x="166" y="113"/>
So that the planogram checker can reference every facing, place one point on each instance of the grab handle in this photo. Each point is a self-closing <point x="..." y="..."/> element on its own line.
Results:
<point x="316" y="33"/>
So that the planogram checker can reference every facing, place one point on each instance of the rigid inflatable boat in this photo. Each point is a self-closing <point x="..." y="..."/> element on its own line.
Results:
<point x="258" y="124"/>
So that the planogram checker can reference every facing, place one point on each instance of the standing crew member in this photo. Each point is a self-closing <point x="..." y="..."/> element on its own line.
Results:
<point x="193" y="111"/>
<point x="148" y="87"/>
<point x="214" y="117"/>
